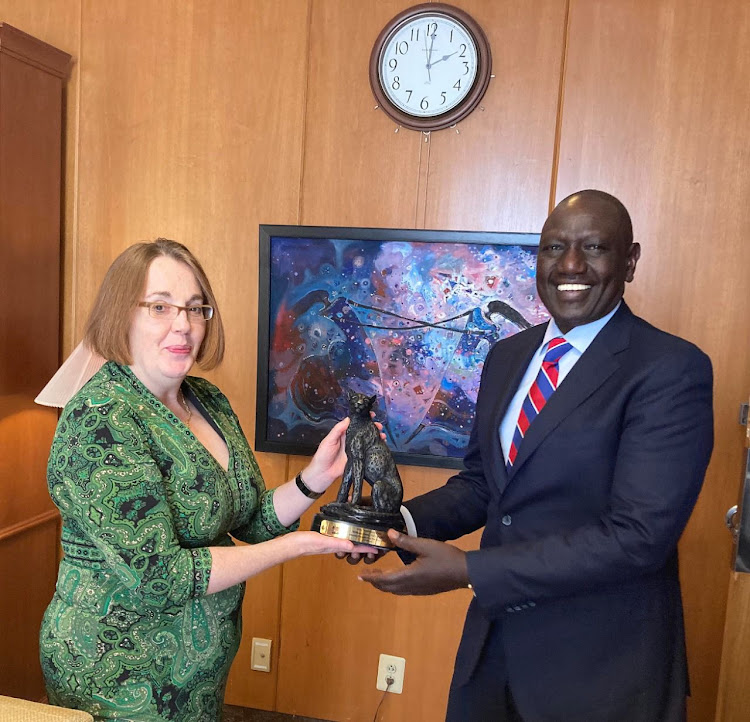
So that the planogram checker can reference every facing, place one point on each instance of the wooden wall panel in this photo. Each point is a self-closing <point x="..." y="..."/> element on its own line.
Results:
<point x="654" y="112"/>
<point x="495" y="173"/>
<point x="734" y="695"/>
<point x="357" y="170"/>
<point x="54" y="23"/>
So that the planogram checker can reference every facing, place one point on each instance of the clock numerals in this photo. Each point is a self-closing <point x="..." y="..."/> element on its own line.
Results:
<point x="432" y="65"/>
<point x="428" y="66"/>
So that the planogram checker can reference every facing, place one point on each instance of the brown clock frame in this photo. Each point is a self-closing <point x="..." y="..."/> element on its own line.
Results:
<point x="478" y="89"/>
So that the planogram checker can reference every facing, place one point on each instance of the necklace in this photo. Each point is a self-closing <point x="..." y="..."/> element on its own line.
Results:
<point x="183" y="402"/>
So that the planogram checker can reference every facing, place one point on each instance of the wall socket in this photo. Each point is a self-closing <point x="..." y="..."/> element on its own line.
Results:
<point x="390" y="666"/>
<point x="260" y="658"/>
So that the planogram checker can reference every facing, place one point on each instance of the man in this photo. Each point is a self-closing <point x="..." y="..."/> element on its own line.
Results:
<point x="577" y="612"/>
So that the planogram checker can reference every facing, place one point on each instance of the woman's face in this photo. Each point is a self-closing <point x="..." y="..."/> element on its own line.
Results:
<point x="163" y="351"/>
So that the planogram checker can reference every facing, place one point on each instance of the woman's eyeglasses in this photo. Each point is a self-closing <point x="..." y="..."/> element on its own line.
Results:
<point x="169" y="312"/>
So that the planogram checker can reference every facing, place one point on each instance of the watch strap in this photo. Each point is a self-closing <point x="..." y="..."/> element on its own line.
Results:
<point x="305" y="489"/>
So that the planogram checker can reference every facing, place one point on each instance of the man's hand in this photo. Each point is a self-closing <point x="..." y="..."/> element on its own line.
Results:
<point x="439" y="568"/>
<point x="370" y="557"/>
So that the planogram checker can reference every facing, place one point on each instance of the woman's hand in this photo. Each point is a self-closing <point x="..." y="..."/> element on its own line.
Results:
<point x="327" y="464"/>
<point x="232" y="565"/>
<point x="329" y="460"/>
<point x="307" y="543"/>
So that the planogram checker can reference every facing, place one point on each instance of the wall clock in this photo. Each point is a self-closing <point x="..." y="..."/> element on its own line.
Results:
<point x="430" y="66"/>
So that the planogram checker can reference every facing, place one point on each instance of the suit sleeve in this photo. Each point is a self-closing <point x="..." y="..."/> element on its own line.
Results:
<point x="664" y="449"/>
<point x="460" y="506"/>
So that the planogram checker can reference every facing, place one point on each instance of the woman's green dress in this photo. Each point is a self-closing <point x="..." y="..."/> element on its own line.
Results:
<point x="130" y="633"/>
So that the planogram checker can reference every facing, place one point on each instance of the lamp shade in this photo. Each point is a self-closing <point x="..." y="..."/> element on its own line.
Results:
<point x="78" y="368"/>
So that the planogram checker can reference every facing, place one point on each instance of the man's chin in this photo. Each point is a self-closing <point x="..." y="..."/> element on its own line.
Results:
<point x="573" y="317"/>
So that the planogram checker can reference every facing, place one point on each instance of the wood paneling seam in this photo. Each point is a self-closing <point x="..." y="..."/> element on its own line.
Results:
<point x="305" y="94"/>
<point x="560" y="103"/>
<point x="423" y="174"/>
<point x="76" y="195"/>
<point x="300" y="211"/>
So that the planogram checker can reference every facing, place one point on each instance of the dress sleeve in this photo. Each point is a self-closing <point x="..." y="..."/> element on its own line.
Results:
<point x="111" y="495"/>
<point x="264" y="524"/>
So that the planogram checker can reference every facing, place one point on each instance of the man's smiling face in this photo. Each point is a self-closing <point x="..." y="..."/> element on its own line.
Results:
<point x="586" y="256"/>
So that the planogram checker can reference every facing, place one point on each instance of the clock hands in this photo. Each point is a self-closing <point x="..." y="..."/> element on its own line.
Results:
<point x="445" y="57"/>
<point x="429" y="55"/>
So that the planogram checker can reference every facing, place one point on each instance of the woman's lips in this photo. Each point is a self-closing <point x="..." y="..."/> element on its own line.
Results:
<point x="180" y="350"/>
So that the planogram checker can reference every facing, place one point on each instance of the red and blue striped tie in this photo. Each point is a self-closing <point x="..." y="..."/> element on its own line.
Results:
<point x="543" y="387"/>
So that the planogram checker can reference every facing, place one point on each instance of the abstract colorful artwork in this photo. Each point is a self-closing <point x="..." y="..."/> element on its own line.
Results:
<point x="406" y="315"/>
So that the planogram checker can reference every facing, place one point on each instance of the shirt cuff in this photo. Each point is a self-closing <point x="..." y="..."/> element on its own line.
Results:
<point x="411" y="527"/>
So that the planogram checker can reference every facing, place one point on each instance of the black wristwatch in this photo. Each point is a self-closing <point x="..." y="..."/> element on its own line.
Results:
<point x="305" y="489"/>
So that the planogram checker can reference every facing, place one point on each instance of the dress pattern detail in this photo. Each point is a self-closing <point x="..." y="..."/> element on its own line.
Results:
<point x="131" y="633"/>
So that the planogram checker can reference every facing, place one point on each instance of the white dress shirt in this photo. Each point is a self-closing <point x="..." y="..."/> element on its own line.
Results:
<point x="580" y="338"/>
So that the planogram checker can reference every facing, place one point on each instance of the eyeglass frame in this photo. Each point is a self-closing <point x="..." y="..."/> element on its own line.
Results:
<point x="150" y="304"/>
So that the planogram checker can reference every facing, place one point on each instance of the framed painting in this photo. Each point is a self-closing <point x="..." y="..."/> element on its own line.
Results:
<point x="406" y="315"/>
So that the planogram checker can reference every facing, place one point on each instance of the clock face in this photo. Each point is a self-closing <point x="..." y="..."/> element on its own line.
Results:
<point x="428" y="64"/>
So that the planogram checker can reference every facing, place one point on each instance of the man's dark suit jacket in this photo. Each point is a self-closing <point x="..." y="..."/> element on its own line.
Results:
<point x="577" y="567"/>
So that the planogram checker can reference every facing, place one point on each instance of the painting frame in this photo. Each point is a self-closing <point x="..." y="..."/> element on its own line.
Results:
<point x="276" y="290"/>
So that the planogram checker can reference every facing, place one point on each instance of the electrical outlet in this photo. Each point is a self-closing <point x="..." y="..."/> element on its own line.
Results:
<point x="391" y="667"/>
<point x="260" y="658"/>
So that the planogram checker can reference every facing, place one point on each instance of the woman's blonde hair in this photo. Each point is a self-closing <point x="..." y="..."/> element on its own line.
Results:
<point x="108" y="326"/>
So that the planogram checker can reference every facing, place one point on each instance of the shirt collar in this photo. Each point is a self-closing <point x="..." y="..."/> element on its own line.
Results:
<point x="579" y="337"/>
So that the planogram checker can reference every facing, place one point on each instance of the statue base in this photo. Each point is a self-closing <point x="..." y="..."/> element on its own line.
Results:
<point x="360" y="524"/>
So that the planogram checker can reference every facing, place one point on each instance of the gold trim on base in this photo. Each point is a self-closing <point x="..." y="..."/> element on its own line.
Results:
<point x="354" y="532"/>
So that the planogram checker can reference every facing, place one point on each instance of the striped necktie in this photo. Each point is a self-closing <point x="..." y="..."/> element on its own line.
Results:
<point x="543" y="387"/>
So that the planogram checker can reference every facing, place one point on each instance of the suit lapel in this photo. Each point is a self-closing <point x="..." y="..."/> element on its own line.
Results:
<point x="594" y="367"/>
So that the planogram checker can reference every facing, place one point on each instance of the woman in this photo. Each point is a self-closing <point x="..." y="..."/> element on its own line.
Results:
<point x="151" y="472"/>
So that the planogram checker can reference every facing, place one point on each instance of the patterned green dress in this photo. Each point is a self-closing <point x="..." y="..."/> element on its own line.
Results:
<point x="130" y="633"/>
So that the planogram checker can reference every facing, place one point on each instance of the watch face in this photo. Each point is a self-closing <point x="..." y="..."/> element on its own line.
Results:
<point x="428" y="64"/>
